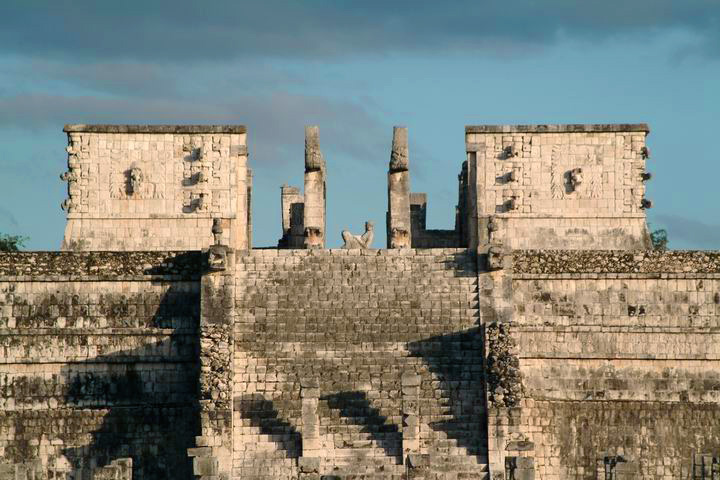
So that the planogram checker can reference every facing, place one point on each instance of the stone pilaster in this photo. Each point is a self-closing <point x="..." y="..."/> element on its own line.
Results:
<point x="212" y="457"/>
<point x="411" y="414"/>
<point x="309" y="463"/>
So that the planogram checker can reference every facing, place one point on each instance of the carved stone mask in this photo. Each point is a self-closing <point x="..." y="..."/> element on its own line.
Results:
<point x="576" y="178"/>
<point x="135" y="179"/>
<point x="399" y="158"/>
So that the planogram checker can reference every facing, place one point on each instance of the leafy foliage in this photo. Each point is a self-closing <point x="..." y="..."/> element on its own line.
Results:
<point x="659" y="239"/>
<point x="11" y="243"/>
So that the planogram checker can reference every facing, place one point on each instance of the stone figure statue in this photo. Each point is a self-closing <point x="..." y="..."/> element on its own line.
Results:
<point x="359" y="241"/>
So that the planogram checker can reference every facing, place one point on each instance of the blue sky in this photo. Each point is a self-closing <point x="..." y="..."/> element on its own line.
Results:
<point x="356" y="69"/>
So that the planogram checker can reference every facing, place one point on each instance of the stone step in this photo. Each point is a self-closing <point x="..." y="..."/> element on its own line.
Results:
<point x="354" y="434"/>
<point x="275" y="455"/>
<point x="249" y="444"/>
<point x="257" y="436"/>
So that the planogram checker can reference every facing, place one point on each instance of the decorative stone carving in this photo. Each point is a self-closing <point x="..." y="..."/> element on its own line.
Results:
<point x="133" y="183"/>
<point x="71" y="177"/>
<point x="217" y="231"/>
<point x="313" y="156"/>
<point x="135" y="180"/>
<point x="510" y="152"/>
<point x="589" y="174"/>
<point x="68" y="205"/>
<point x="399" y="238"/>
<point x="68" y="176"/>
<point x="645" y="153"/>
<point x="645" y="203"/>
<point x="495" y="257"/>
<point x="313" y="237"/>
<point x="504" y="379"/>
<point x="399" y="155"/>
<point x="217" y="258"/>
<point x="575" y="178"/>
<point x="359" y="241"/>
<point x="200" y="203"/>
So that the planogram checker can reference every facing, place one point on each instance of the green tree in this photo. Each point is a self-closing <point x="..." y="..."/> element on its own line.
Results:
<point x="659" y="239"/>
<point x="11" y="243"/>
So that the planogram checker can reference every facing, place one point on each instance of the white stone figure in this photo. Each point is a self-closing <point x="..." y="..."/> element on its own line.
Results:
<point x="359" y="241"/>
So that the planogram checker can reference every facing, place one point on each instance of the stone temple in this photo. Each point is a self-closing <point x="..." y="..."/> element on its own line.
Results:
<point x="541" y="338"/>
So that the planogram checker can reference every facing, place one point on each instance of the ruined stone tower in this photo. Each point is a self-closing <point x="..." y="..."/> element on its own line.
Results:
<point x="541" y="338"/>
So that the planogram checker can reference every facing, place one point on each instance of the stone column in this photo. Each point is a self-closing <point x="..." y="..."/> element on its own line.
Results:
<point x="314" y="213"/>
<point x="398" y="216"/>
<point x="309" y="463"/>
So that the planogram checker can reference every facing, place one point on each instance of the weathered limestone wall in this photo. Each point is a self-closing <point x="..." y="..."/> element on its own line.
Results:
<point x="618" y="356"/>
<point x="155" y="187"/>
<point x="558" y="186"/>
<point x="351" y="362"/>
<point x="98" y="364"/>
<point x="293" y="206"/>
<point x="213" y="451"/>
<point x="422" y="237"/>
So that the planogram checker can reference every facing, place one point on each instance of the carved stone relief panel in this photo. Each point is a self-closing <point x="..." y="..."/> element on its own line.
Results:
<point x="197" y="201"/>
<point x="205" y="175"/>
<point x="133" y="182"/>
<point x="72" y="176"/>
<point x="575" y="176"/>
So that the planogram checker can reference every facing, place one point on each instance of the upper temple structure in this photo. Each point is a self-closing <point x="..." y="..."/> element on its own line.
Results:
<point x="542" y="338"/>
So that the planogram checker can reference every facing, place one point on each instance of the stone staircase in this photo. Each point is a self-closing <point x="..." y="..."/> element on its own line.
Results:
<point x="353" y="323"/>
<point x="453" y="420"/>
<point x="271" y="443"/>
<point x="362" y="441"/>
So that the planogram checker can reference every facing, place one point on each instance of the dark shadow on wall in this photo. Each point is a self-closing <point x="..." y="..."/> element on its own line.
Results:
<point x="456" y="361"/>
<point x="141" y="413"/>
<point x="262" y="413"/>
<point x="356" y="407"/>
<point x="462" y="264"/>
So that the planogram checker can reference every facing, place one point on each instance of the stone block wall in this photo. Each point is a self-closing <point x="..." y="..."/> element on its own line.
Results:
<point x="98" y="364"/>
<point x="618" y="360"/>
<point x="362" y="363"/>
<point x="422" y="237"/>
<point x="558" y="186"/>
<point x="155" y="187"/>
